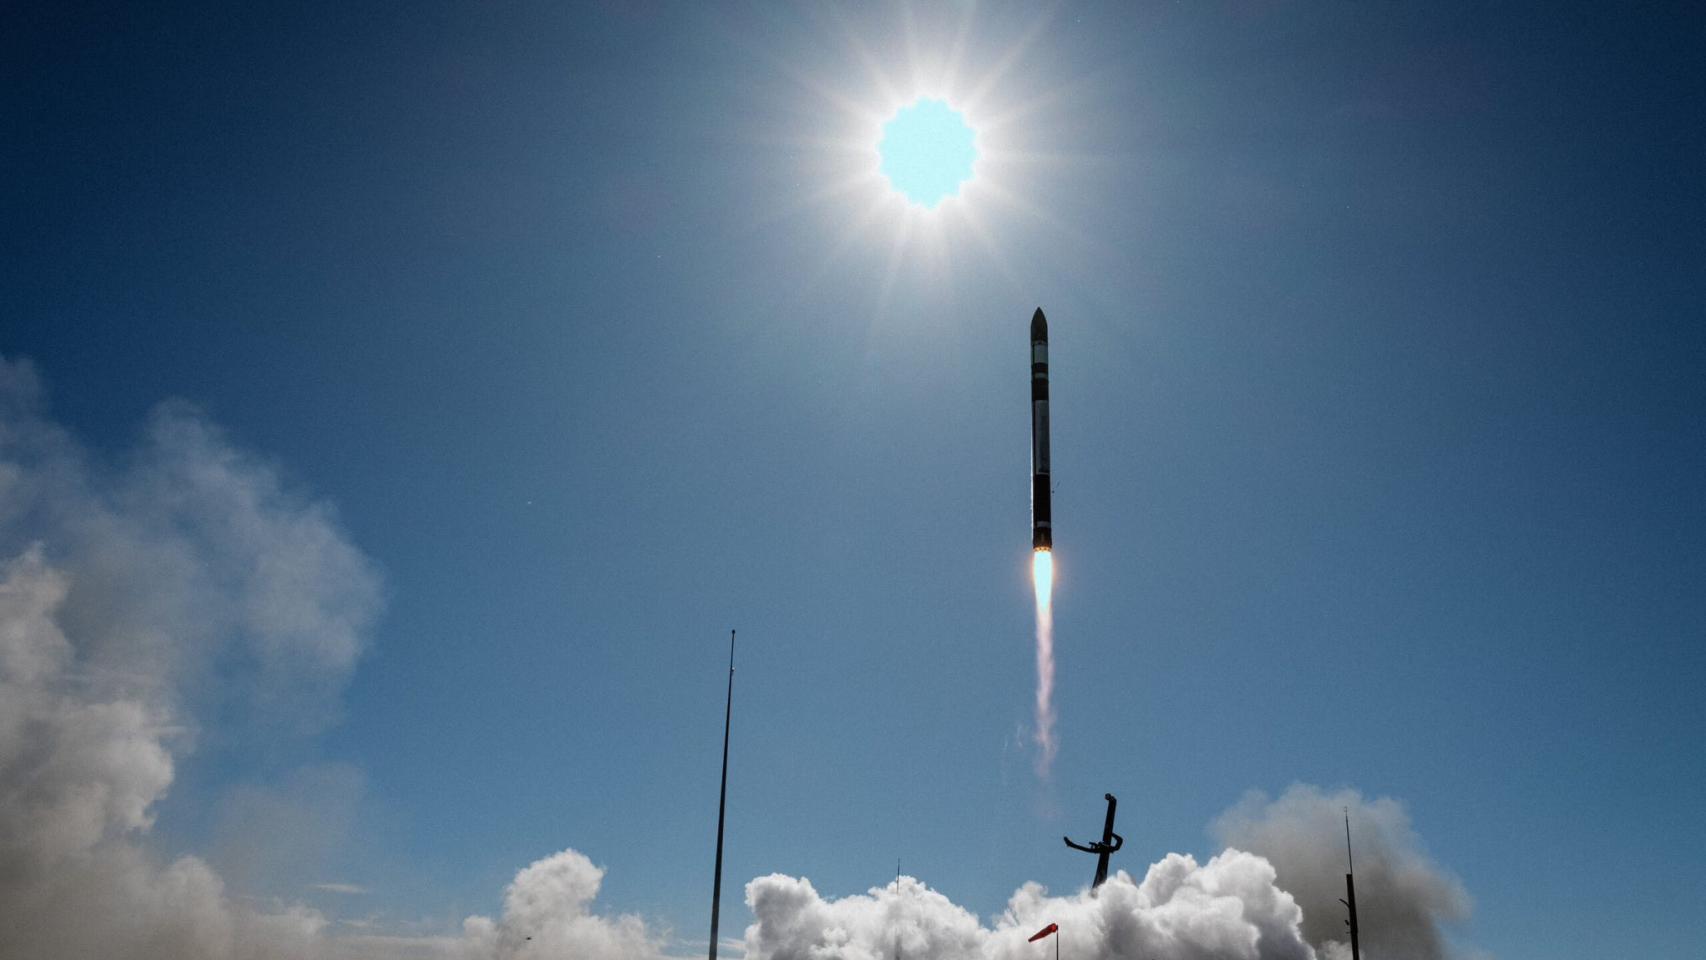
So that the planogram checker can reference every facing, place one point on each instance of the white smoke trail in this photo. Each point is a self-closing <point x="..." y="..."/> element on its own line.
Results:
<point x="1042" y="574"/>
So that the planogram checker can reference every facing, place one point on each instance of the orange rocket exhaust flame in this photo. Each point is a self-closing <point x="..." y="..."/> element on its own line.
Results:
<point x="1042" y="575"/>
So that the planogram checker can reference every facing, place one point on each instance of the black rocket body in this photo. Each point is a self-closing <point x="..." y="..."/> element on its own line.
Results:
<point x="1042" y="531"/>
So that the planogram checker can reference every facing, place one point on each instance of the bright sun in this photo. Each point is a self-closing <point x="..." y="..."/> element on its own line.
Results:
<point x="927" y="152"/>
<point x="918" y="133"/>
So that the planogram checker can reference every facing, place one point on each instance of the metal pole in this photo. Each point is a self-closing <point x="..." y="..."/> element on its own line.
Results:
<point x="1351" y="890"/>
<point x="722" y="799"/>
<point x="1350" y="862"/>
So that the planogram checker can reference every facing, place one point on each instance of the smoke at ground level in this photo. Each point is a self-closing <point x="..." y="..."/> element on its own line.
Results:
<point x="1270" y="894"/>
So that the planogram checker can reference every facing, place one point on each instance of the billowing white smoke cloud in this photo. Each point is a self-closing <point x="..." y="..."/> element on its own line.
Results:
<point x="1228" y="908"/>
<point x="546" y="914"/>
<point x="1403" y="898"/>
<point x="1272" y="894"/>
<point x="128" y="597"/>
<point x="187" y="582"/>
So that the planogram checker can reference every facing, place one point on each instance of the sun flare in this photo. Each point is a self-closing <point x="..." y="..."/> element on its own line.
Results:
<point x="928" y="152"/>
<point x="919" y="140"/>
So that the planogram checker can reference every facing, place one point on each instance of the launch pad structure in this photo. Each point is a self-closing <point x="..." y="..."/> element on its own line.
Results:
<point x="1104" y="848"/>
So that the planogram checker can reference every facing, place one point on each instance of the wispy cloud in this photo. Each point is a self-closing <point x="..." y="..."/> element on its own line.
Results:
<point x="348" y="888"/>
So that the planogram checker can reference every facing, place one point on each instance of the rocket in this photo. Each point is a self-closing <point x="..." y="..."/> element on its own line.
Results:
<point x="1042" y="535"/>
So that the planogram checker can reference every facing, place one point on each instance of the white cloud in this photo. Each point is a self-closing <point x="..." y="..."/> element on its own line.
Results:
<point x="1272" y="894"/>
<point x="547" y="914"/>
<point x="349" y="889"/>
<point x="1227" y="908"/>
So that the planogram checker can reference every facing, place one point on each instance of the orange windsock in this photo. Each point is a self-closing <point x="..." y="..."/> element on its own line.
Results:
<point x="1051" y="928"/>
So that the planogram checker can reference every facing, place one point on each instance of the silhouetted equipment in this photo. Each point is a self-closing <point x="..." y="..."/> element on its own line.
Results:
<point x="1350" y="898"/>
<point x="722" y="797"/>
<point x="1110" y="842"/>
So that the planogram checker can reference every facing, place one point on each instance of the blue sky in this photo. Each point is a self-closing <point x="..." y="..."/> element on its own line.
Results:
<point x="1376" y="347"/>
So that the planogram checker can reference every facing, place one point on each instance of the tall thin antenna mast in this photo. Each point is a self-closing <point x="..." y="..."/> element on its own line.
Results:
<point x="1350" y="862"/>
<point x="722" y="800"/>
<point x="1350" y="898"/>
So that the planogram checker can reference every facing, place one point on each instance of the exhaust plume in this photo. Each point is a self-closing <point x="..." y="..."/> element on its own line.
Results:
<point x="1042" y="575"/>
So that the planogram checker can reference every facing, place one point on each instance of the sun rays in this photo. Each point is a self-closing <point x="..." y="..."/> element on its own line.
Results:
<point x="849" y="86"/>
